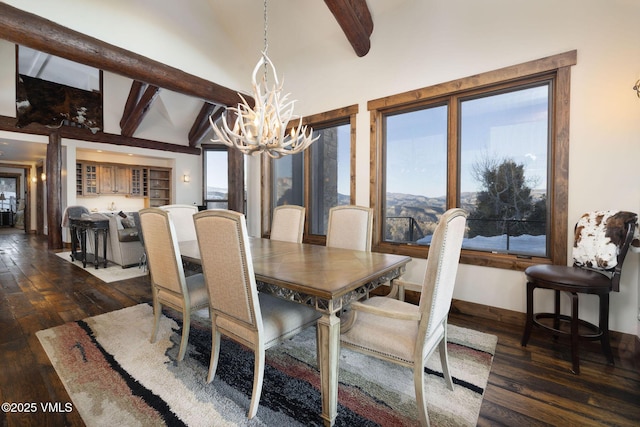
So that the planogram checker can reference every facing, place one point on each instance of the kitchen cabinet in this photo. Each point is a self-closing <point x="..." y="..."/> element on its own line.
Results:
<point x="114" y="179"/>
<point x="86" y="179"/>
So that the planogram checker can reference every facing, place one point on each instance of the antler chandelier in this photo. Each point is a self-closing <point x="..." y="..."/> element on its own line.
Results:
<point x="264" y="127"/>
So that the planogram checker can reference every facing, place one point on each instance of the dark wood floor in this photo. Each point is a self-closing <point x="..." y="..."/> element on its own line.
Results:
<point x="527" y="386"/>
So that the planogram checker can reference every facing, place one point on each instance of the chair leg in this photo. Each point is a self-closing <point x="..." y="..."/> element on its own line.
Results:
<point x="575" y="338"/>
<point x="444" y="359"/>
<point x="215" y="353"/>
<point x="157" y="311"/>
<point x="421" y="402"/>
<point x="529" y="319"/>
<point x="258" y="376"/>
<point x="556" y="311"/>
<point x="604" y="328"/>
<point x="186" y="326"/>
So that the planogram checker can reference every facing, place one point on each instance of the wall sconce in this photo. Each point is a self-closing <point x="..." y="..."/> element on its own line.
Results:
<point x="637" y="88"/>
<point x="186" y="178"/>
<point x="34" y="179"/>
<point x="43" y="176"/>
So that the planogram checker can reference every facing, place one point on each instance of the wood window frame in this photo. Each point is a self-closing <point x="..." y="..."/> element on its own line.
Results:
<point x="557" y="67"/>
<point x="321" y="120"/>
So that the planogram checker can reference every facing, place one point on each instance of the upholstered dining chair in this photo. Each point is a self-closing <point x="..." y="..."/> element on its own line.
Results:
<point x="182" y="216"/>
<point x="288" y="223"/>
<point x="169" y="285"/>
<point x="350" y="227"/>
<point x="238" y="311"/>
<point x="407" y="334"/>
<point x="601" y="242"/>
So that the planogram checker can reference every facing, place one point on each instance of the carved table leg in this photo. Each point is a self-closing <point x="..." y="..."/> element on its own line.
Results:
<point x="328" y="355"/>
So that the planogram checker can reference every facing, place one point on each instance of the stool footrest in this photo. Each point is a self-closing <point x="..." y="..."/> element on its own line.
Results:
<point x="596" y="335"/>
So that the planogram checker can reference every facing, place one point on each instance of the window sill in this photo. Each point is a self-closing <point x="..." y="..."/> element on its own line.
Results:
<point x="483" y="259"/>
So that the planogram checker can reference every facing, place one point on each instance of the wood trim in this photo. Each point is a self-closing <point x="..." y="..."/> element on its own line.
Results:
<point x="328" y="117"/>
<point x="502" y="75"/>
<point x="352" y="150"/>
<point x="235" y="171"/>
<point x="560" y="159"/>
<point x="81" y="134"/>
<point x="27" y="29"/>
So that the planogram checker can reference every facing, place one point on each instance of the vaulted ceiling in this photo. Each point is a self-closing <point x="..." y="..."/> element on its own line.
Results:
<point x="350" y="23"/>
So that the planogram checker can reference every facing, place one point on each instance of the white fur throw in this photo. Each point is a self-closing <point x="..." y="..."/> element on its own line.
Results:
<point x="598" y="238"/>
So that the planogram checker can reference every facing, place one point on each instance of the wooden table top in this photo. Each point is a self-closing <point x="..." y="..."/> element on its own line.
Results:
<point x="327" y="273"/>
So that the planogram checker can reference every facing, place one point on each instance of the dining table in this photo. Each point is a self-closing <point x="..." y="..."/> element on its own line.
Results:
<point x="325" y="278"/>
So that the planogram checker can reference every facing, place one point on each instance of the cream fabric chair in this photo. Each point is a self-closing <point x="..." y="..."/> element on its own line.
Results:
<point x="256" y="320"/>
<point x="407" y="334"/>
<point x="350" y="227"/>
<point x="288" y="223"/>
<point x="182" y="216"/>
<point x="169" y="285"/>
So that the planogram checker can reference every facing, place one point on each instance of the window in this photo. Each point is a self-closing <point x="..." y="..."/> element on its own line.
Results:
<point x="321" y="176"/>
<point x="216" y="181"/>
<point x="496" y="145"/>
<point x="329" y="174"/>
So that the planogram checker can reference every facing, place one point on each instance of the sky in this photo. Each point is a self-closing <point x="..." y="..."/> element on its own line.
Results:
<point x="510" y="125"/>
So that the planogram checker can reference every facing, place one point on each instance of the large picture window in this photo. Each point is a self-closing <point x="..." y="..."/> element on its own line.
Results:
<point x="495" y="145"/>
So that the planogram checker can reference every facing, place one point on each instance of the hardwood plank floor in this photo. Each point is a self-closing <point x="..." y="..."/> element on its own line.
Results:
<point x="528" y="386"/>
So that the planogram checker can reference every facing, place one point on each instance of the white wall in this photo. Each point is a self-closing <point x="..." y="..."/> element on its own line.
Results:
<point x="417" y="43"/>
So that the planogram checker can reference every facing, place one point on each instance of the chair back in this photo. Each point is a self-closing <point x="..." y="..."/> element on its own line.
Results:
<point x="442" y="268"/>
<point x="163" y="255"/>
<point x="182" y="217"/>
<point x="350" y="227"/>
<point x="74" y="211"/>
<point x="288" y="223"/>
<point x="228" y="270"/>
<point x="602" y="240"/>
<point x="136" y="219"/>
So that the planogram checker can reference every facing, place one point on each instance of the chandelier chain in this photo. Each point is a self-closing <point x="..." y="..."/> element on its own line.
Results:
<point x="263" y="126"/>
<point x="266" y="43"/>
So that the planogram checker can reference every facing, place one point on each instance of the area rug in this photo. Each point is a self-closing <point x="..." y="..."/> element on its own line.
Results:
<point x="115" y="376"/>
<point x="112" y="273"/>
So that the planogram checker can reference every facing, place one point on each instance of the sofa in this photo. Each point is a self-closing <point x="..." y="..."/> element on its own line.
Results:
<point x="123" y="245"/>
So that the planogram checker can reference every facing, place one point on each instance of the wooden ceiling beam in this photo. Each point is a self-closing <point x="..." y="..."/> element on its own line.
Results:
<point x="133" y="120"/>
<point x="132" y="100"/>
<point x="27" y="29"/>
<point x="201" y="125"/>
<point x="354" y="18"/>
<point x="83" y="134"/>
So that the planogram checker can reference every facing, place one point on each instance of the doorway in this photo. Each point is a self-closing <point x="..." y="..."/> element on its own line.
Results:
<point x="9" y="198"/>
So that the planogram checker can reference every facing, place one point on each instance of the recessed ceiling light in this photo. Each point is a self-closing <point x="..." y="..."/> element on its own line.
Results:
<point x="99" y="151"/>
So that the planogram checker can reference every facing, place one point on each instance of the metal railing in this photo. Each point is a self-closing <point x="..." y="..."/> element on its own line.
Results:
<point x="509" y="228"/>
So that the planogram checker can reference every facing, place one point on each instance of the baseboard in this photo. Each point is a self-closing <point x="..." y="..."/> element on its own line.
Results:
<point x="488" y="312"/>
<point x="626" y="344"/>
